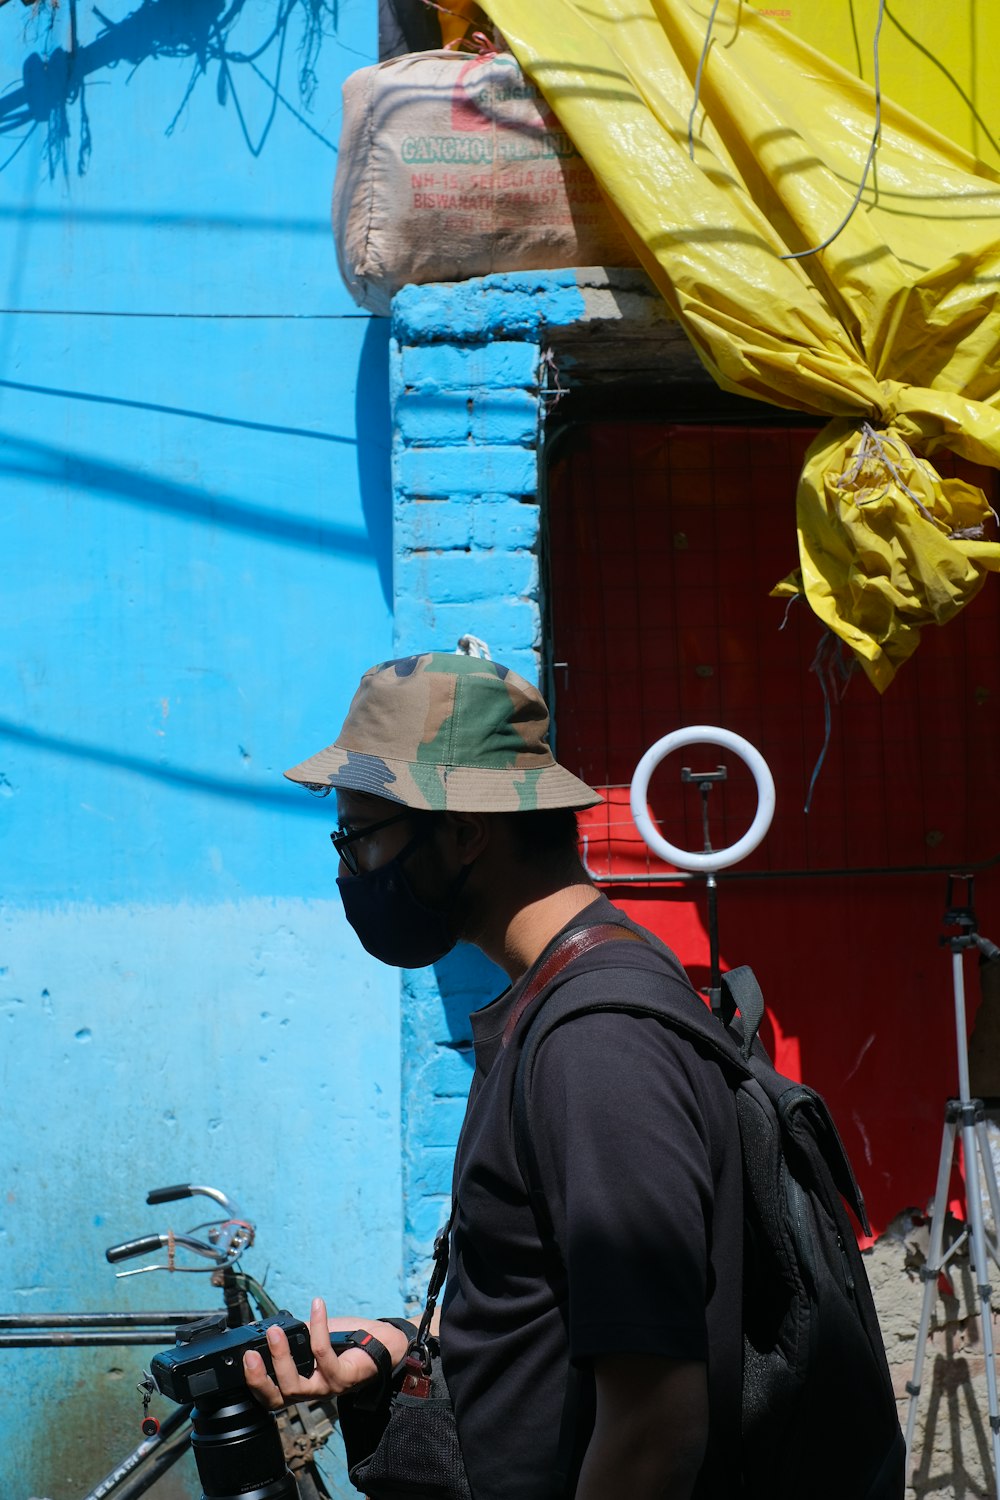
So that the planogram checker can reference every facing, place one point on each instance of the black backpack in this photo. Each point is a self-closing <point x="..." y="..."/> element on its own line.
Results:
<point x="819" y="1413"/>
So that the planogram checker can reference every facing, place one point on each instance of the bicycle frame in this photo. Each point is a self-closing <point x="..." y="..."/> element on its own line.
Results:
<point x="91" y="1330"/>
<point x="140" y="1470"/>
<point x="304" y="1427"/>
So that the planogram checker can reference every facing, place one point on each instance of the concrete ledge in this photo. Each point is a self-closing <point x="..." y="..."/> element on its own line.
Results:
<point x="602" y="323"/>
<point x="626" y="334"/>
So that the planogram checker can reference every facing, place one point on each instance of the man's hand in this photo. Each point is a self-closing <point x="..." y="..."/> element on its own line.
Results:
<point x="333" y="1374"/>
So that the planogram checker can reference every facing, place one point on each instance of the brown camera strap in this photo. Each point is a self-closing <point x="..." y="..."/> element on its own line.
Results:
<point x="573" y="946"/>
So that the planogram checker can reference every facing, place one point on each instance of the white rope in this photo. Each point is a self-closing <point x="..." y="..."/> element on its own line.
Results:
<point x="870" y="446"/>
<point x="471" y="645"/>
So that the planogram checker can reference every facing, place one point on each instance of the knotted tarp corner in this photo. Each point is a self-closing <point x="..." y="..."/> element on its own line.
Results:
<point x="732" y="154"/>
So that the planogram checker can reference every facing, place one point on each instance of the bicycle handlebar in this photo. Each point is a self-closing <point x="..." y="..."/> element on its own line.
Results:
<point x="151" y="1242"/>
<point x="190" y="1190"/>
<point x="145" y="1246"/>
<point x="170" y="1194"/>
<point x="228" y="1238"/>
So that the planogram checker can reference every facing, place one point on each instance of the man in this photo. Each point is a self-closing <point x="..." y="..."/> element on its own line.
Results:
<point x="456" y="824"/>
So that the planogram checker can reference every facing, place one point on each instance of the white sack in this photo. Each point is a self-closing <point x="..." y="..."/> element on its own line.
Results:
<point x="453" y="166"/>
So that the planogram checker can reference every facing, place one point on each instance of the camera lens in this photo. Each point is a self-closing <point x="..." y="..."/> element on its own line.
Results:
<point x="238" y="1451"/>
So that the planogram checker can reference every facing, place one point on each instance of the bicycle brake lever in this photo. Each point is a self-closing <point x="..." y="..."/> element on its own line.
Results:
<point x="172" y="1241"/>
<point x="235" y="1220"/>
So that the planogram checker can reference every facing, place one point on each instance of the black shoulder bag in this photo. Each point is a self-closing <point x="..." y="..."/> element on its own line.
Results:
<point x="416" y="1455"/>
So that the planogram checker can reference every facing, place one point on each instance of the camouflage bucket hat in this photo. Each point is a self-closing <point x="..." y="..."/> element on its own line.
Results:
<point x="442" y="732"/>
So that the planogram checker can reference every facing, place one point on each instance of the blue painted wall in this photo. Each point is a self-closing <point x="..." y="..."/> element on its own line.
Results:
<point x="467" y="366"/>
<point x="224" y="492"/>
<point x="196" y="522"/>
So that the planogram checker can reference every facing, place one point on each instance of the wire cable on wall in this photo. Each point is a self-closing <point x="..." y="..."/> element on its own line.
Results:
<point x="815" y="250"/>
<point x="800" y="254"/>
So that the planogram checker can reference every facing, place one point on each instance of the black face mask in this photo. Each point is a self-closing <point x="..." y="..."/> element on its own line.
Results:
<point x="389" y="920"/>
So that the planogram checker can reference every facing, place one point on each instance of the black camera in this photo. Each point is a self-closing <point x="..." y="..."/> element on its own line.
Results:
<point x="236" y="1442"/>
<point x="207" y="1360"/>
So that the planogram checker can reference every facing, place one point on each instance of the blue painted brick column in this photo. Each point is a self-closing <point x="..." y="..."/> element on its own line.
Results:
<point x="465" y="373"/>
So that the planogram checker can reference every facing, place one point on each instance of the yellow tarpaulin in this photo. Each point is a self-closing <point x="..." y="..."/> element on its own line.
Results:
<point x="938" y="61"/>
<point x="725" y="145"/>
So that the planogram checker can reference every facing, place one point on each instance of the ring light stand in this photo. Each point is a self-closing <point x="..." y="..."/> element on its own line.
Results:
<point x="708" y="861"/>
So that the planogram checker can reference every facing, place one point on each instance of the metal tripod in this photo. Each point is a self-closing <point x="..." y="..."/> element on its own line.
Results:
<point x="963" y="1116"/>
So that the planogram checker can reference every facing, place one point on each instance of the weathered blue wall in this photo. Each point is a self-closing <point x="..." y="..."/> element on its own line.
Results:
<point x="202" y="554"/>
<point x="195" y="502"/>
<point x="467" y="365"/>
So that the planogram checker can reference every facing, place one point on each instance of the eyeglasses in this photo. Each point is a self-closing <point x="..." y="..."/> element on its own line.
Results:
<point x="343" y="842"/>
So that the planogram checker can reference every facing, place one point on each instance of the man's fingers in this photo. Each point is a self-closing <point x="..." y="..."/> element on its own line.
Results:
<point x="340" y="1372"/>
<point x="286" y="1371"/>
<point x="327" y="1363"/>
<point x="331" y="1376"/>
<point x="260" y="1383"/>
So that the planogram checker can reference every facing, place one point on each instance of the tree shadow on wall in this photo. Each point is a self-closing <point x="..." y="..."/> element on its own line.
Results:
<point x="54" y="80"/>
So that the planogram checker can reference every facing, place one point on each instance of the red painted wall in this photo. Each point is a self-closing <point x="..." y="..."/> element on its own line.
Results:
<point x="664" y="541"/>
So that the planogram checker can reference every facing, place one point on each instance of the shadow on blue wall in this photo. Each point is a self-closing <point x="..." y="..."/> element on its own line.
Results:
<point x="284" y="799"/>
<point x="200" y="30"/>
<point x="60" y="394"/>
<point x="466" y="980"/>
<point x="26" y="459"/>
<point x="45" y="463"/>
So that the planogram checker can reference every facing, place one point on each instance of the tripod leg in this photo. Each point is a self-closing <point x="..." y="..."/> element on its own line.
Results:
<point x="989" y="1172"/>
<point x="974" y="1204"/>
<point x="929" y="1273"/>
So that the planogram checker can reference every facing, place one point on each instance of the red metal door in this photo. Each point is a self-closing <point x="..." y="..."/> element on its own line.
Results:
<point x="664" y="541"/>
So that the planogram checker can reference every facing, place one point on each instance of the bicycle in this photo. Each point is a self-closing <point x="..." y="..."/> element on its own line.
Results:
<point x="304" y="1427"/>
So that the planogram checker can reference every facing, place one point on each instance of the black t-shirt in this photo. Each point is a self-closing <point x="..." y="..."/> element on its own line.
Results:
<point x="635" y="1134"/>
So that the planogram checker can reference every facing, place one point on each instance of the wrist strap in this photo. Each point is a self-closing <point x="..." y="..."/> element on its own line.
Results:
<point x="405" y="1325"/>
<point x="369" y="1392"/>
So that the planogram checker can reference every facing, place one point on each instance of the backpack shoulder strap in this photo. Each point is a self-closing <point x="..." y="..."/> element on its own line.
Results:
<point x="741" y="992"/>
<point x="689" y="1016"/>
<point x="684" y="1013"/>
